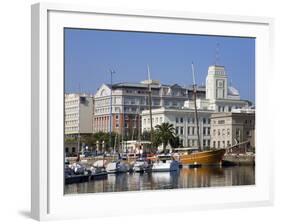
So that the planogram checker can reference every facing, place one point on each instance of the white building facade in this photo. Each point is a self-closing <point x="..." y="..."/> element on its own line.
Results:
<point x="233" y="128"/>
<point x="184" y="123"/>
<point x="220" y="98"/>
<point x="78" y="114"/>
<point x="130" y="99"/>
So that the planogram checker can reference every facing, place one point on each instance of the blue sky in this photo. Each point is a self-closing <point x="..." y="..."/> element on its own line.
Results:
<point x="90" y="54"/>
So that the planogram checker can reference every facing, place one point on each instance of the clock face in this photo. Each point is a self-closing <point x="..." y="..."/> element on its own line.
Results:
<point x="220" y="83"/>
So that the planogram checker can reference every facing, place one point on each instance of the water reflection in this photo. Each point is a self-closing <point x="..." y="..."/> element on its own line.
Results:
<point x="185" y="178"/>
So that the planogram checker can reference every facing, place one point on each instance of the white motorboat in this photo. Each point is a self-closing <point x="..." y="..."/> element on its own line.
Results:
<point x="165" y="165"/>
<point x="78" y="168"/>
<point x="140" y="165"/>
<point x="98" y="173"/>
<point x="99" y="163"/>
<point x="116" y="167"/>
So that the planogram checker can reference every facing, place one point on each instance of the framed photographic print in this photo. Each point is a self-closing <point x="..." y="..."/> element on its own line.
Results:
<point x="162" y="110"/>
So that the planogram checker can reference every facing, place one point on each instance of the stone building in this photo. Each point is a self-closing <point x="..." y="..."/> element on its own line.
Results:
<point x="130" y="99"/>
<point x="232" y="128"/>
<point x="184" y="123"/>
<point x="78" y="115"/>
<point x="220" y="99"/>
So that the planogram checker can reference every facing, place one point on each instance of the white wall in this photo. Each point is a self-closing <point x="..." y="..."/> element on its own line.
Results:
<point x="15" y="84"/>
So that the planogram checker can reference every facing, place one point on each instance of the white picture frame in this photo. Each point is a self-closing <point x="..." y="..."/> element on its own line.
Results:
<point x="48" y="201"/>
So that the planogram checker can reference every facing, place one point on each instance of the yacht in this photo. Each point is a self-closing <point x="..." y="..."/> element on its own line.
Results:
<point x="116" y="167"/>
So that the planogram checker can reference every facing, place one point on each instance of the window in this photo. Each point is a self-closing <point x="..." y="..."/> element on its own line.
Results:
<point x="219" y="132"/>
<point x="204" y="142"/>
<point x="228" y="132"/>
<point x="177" y="130"/>
<point x="209" y="130"/>
<point x="223" y="132"/>
<point x="177" y="120"/>
<point x="204" y="120"/>
<point x="237" y="132"/>
<point x="214" y="144"/>
<point x="214" y="132"/>
<point x="181" y="120"/>
<point x="181" y="130"/>
<point x="188" y="130"/>
<point x="219" y="145"/>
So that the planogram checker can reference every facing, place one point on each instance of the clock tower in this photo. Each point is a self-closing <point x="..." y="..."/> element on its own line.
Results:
<point x="216" y="83"/>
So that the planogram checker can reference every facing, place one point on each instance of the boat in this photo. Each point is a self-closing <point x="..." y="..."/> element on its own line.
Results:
<point x="116" y="167"/>
<point x="206" y="157"/>
<point x="98" y="173"/>
<point x="140" y="165"/>
<point x="200" y="156"/>
<point x="75" y="173"/>
<point x="165" y="163"/>
<point x="78" y="168"/>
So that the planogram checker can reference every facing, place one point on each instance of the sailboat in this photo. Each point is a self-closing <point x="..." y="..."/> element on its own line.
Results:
<point x="199" y="157"/>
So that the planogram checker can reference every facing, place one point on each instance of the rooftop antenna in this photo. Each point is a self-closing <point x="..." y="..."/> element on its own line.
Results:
<point x="217" y="54"/>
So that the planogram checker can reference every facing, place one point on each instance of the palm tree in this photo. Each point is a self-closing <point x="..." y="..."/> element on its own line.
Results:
<point x="165" y="133"/>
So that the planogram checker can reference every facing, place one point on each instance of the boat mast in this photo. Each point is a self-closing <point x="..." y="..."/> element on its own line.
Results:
<point x="150" y="103"/>
<point x="195" y="107"/>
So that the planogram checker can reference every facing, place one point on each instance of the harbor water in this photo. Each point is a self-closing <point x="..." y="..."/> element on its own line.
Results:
<point x="213" y="176"/>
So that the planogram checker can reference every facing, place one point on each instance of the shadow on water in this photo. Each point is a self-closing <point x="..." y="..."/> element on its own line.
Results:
<point x="185" y="178"/>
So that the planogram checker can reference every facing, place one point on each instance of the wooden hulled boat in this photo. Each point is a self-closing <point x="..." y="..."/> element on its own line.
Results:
<point x="210" y="157"/>
<point x="201" y="157"/>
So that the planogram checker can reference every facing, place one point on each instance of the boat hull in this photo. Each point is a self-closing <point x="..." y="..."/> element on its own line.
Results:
<point x="211" y="157"/>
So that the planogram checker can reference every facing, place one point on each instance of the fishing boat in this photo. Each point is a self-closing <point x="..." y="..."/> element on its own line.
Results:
<point x="199" y="156"/>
